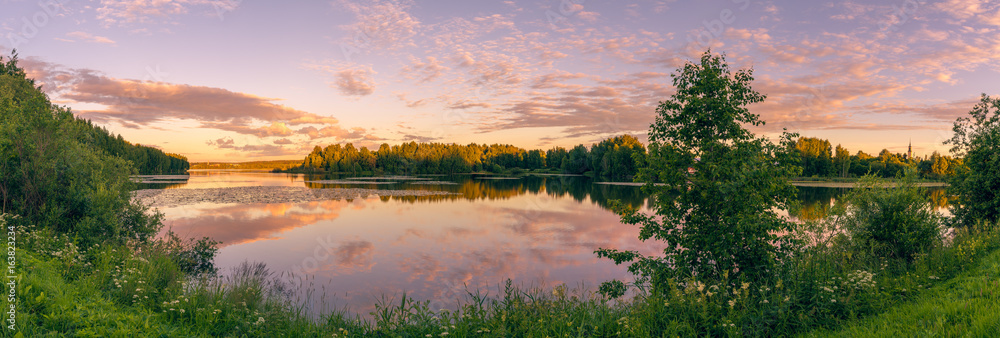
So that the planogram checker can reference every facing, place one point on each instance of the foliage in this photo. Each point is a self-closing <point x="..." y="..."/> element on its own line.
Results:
<point x="193" y="257"/>
<point x="968" y="305"/>
<point x="55" y="171"/>
<point x="815" y="156"/>
<point x="721" y="185"/>
<point x="977" y="141"/>
<point x="278" y="164"/>
<point x="615" y="158"/>
<point x="106" y="290"/>
<point x="889" y="222"/>
<point x="618" y="157"/>
<point x="816" y="161"/>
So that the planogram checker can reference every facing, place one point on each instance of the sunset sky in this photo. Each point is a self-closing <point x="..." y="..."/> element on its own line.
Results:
<point x="235" y="80"/>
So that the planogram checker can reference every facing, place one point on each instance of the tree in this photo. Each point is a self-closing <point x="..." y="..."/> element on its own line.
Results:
<point x="815" y="155"/>
<point x="842" y="161"/>
<point x="535" y="159"/>
<point x="721" y="183"/>
<point x="977" y="142"/>
<point x="554" y="157"/>
<point x="576" y="161"/>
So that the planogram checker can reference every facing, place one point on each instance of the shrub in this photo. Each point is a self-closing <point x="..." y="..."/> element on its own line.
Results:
<point x="890" y="222"/>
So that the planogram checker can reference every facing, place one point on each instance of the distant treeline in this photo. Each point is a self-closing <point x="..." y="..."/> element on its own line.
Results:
<point x="820" y="160"/>
<point x="147" y="160"/>
<point x="277" y="164"/>
<point x="614" y="158"/>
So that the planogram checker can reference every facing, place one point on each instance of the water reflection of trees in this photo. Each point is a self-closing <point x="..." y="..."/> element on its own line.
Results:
<point x="815" y="202"/>
<point x="472" y="188"/>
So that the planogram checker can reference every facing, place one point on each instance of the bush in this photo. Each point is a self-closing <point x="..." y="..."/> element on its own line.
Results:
<point x="890" y="222"/>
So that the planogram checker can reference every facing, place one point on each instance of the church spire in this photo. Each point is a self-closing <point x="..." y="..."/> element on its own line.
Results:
<point x="909" y="150"/>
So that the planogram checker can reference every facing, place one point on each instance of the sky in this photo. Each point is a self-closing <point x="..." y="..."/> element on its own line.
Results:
<point x="239" y="80"/>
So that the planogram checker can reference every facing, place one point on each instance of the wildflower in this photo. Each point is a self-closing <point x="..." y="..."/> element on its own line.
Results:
<point x="765" y="301"/>
<point x="182" y="310"/>
<point x="428" y="335"/>
<point x="444" y="333"/>
<point x="833" y="300"/>
<point x="732" y="303"/>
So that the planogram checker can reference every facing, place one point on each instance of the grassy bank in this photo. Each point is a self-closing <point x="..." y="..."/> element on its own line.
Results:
<point x="107" y="290"/>
<point x="967" y="305"/>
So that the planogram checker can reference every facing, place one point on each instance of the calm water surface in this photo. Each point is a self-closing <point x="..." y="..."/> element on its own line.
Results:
<point x="535" y="230"/>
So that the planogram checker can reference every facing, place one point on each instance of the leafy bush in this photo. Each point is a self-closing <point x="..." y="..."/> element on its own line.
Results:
<point x="890" y="222"/>
<point x="192" y="256"/>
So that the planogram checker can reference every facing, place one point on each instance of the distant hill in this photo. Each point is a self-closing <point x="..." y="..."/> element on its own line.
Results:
<point x="280" y="164"/>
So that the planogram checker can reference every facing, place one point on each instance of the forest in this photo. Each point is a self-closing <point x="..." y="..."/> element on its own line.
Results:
<point x="614" y="158"/>
<point x="818" y="159"/>
<point x="255" y="165"/>
<point x="145" y="159"/>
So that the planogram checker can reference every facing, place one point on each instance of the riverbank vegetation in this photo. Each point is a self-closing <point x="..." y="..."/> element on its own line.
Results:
<point x="615" y="158"/>
<point x="251" y="165"/>
<point x="88" y="262"/>
<point x="821" y="162"/>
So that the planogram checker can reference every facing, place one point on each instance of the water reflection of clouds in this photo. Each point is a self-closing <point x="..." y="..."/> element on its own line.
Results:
<point x="352" y="256"/>
<point x="234" y="224"/>
<point x="430" y="247"/>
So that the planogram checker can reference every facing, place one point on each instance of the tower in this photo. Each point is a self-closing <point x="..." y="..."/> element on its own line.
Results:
<point x="909" y="151"/>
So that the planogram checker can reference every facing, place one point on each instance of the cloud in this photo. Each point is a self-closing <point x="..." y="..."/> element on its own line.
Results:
<point x="418" y="138"/>
<point x="129" y="12"/>
<point x="411" y="104"/>
<point x="462" y="104"/>
<point x="136" y="104"/>
<point x="380" y="24"/>
<point x="283" y="141"/>
<point x="90" y="38"/>
<point x="354" y="82"/>
<point x="423" y="72"/>
<point x="223" y="143"/>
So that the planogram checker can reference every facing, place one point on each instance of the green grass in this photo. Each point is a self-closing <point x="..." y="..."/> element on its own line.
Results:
<point x="966" y="306"/>
<point x="107" y="290"/>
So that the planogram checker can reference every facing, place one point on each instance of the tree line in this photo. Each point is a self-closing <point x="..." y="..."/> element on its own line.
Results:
<point x="819" y="159"/>
<point x="614" y="158"/>
<point x="276" y="164"/>
<point x="145" y="159"/>
<point x="24" y="107"/>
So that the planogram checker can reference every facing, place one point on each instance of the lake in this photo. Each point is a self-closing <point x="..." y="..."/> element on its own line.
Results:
<point x="535" y="230"/>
